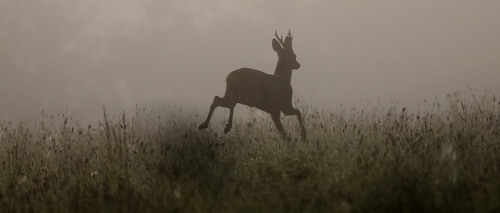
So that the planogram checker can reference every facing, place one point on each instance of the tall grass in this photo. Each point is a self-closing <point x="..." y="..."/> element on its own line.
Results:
<point x="443" y="158"/>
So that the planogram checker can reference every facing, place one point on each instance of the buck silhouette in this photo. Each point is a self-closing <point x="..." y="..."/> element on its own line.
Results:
<point x="269" y="93"/>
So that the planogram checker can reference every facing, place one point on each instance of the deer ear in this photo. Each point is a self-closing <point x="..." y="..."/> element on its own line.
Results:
<point x="288" y="43"/>
<point x="277" y="46"/>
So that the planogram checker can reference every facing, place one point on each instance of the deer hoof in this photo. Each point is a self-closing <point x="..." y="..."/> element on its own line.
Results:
<point x="203" y="126"/>
<point x="303" y="136"/>
<point x="228" y="127"/>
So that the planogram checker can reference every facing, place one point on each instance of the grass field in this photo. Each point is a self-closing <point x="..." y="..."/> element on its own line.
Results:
<point x="443" y="158"/>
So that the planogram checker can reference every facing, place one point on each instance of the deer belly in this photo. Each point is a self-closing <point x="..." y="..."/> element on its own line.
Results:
<point x="263" y="100"/>
<point x="250" y="96"/>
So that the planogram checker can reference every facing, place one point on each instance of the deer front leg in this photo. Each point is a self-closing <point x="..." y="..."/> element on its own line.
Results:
<point x="294" y="111"/>
<point x="277" y="121"/>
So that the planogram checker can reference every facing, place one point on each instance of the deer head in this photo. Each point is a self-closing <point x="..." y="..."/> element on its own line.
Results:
<point x="286" y="57"/>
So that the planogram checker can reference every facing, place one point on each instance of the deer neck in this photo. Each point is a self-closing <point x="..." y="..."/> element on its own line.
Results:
<point x="283" y="71"/>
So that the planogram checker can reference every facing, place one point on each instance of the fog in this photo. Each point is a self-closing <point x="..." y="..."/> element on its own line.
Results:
<point x="59" y="55"/>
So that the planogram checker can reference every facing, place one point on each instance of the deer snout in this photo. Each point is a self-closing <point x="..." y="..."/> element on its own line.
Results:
<point x="297" y="65"/>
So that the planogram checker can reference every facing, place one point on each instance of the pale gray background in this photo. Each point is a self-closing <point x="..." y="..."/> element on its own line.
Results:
<point x="81" y="54"/>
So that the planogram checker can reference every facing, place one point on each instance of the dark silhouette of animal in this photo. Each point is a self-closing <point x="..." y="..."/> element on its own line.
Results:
<point x="269" y="93"/>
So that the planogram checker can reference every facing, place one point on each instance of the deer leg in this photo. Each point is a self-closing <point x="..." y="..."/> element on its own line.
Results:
<point x="218" y="101"/>
<point x="294" y="111"/>
<point x="229" y="124"/>
<point x="277" y="121"/>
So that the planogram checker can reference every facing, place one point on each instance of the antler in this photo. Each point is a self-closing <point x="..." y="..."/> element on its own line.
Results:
<point x="279" y="39"/>
<point x="290" y="34"/>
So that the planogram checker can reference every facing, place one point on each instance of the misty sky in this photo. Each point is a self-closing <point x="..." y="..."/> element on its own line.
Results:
<point x="81" y="54"/>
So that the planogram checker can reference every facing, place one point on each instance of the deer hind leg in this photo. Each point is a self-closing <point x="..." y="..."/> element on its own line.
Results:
<point x="294" y="111"/>
<point x="229" y="124"/>
<point x="277" y="121"/>
<point x="218" y="101"/>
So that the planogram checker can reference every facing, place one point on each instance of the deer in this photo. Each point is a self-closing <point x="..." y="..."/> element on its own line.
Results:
<point x="271" y="93"/>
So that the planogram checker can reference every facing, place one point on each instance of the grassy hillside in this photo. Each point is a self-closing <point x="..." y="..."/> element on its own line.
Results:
<point x="445" y="157"/>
